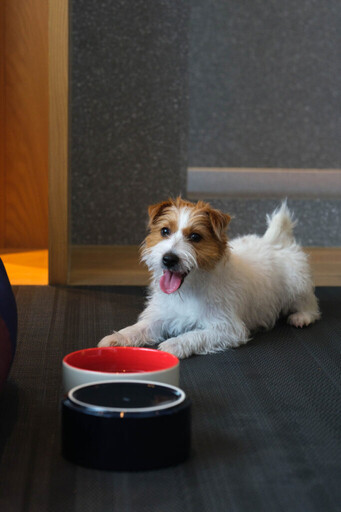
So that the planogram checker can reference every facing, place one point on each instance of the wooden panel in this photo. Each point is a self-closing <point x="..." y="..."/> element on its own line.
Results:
<point x="26" y="115"/>
<point x="58" y="142"/>
<point x="119" y="265"/>
<point x="2" y="124"/>
<point x="326" y="265"/>
<point x="107" y="265"/>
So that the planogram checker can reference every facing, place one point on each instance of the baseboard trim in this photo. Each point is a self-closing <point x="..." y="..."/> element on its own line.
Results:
<point x="107" y="265"/>
<point x="255" y="182"/>
<point x="119" y="265"/>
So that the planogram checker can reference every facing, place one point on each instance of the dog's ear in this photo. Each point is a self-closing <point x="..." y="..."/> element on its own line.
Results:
<point x="155" y="210"/>
<point x="219" y="222"/>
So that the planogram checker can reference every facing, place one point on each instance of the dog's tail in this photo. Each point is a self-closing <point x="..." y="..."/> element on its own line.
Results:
<point x="280" y="226"/>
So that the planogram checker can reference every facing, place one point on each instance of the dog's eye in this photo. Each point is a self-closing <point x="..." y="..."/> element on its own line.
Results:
<point x="195" y="237"/>
<point x="165" y="232"/>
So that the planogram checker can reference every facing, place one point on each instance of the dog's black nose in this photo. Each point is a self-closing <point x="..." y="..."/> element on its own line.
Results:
<point x="170" y="259"/>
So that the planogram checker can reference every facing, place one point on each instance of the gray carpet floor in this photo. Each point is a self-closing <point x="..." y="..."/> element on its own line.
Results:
<point x="266" y="418"/>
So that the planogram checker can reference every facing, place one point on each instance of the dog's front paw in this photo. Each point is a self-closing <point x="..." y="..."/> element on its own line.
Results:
<point x="175" y="347"/>
<point x="300" y="319"/>
<point x="114" y="340"/>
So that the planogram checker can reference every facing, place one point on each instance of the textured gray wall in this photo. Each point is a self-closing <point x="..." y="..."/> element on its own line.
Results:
<point x="265" y="83"/>
<point x="318" y="220"/>
<point x="264" y="91"/>
<point x="129" y="114"/>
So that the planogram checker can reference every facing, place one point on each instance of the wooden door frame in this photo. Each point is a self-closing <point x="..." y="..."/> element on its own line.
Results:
<point x="59" y="190"/>
<point x="2" y="123"/>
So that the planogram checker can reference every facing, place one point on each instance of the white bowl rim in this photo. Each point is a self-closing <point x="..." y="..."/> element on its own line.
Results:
<point x="125" y="409"/>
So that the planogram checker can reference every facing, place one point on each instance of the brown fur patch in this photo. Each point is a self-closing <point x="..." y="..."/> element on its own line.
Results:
<point x="211" y="225"/>
<point x="164" y="215"/>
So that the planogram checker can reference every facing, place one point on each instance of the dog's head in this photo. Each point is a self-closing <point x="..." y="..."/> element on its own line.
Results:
<point x="183" y="236"/>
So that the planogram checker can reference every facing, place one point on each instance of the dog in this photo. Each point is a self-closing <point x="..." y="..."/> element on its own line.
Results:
<point x="208" y="293"/>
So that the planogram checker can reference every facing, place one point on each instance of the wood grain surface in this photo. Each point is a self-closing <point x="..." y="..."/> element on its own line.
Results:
<point x="25" y="89"/>
<point x="59" y="190"/>
<point x="2" y="124"/>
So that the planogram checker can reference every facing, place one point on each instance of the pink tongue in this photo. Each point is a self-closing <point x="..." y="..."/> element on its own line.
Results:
<point x="170" y="281"/>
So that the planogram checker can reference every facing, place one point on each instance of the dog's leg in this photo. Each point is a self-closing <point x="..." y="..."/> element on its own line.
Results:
<point x="205" y="341"/>
<point x="305" y="311"/>
<point x="141" y="333"/>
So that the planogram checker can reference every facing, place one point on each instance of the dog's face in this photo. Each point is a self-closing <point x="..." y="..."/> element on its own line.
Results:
<point x="183" y="236"/>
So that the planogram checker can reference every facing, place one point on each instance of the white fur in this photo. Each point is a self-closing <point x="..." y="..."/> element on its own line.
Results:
<point x="259" y="279"/>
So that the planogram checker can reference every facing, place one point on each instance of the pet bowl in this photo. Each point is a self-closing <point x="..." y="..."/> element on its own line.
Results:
<point x="126" y="425"/>
<point x="111" y="363"/>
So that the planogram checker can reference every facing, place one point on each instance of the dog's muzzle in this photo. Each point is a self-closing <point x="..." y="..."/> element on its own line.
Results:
<point x="172" y="277"/>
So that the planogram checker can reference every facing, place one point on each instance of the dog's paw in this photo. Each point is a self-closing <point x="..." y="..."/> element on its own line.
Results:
<point x="175" y="347"/>
<point x="114" y="340"/>
<point x="300" y="319"/>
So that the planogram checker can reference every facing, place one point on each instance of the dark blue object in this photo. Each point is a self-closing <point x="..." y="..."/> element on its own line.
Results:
<point x="126" y="425"/>
<point x="8" y="324"/>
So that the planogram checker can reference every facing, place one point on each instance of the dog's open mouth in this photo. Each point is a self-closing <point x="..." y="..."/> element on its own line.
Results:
<point x="171" y="281"/>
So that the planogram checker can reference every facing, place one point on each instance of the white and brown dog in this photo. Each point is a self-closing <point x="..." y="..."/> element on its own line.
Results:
<point x="208" y="294"/>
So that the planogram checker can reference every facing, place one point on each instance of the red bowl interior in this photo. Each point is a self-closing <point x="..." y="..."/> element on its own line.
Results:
<point x="121" y="360"/>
